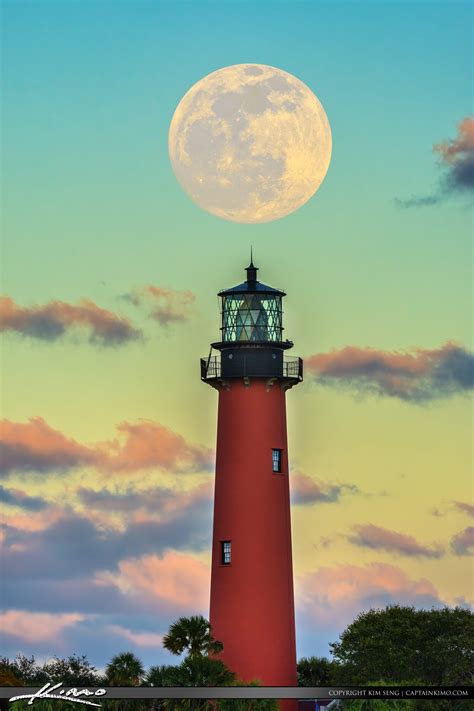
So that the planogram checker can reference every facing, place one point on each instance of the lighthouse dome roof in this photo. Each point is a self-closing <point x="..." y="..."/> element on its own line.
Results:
<point x="251" y="285"/>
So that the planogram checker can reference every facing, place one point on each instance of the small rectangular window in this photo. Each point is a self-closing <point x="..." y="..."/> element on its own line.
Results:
<point x="226" y="552"/>
<point x="276" y="460"/>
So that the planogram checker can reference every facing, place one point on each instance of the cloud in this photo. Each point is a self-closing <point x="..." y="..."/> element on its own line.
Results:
<point x="378" y="538"/>
<point x="129" y="583"/>
<point x="457" y="162"/>
<point x="15" y="497"/>
<point x="36" y="626"/>
<point x="335" y="595"/>
<point x="465" y="507"/>
<point x="53" y="320"/>
<point x="463" y="542"/>
<point x="140" y="639"/>
<point x="419" y="375"/>
<point x="458" y="156"/>
<point x="304" y="490"/>
<point x="176" y="580"/>
<point x="418" y="201"/>
<point x="36" y="447"/>
<point x="165" y="500"/>
<point x="31" y="520"/>
<point x="75" y="543"/>
<point x="76" y="586"/>
<point x="163" y="305"/>
<point x="147" y="444"/>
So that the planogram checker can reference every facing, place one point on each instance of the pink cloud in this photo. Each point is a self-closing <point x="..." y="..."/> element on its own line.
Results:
<point x="141" y="639"/>
<point x="459" y="147"/>
<point x="305" y="490"/>
<point x="37" y="626"/>
<point x="53" y="320"/>
<point x="457" y="163"/>
<point x="163" y="305"/>
<point x="376" y="537"/>
<point x="33" y="521"/>
<point x="336" y="595"/>
<point x="35" y="446"/>
<point x="147" y="444"/>
<point x="419" y="375"/>
<point x="177" y="580"/>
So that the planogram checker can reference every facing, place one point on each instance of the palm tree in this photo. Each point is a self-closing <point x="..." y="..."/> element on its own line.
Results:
<point x="247" y="704"/>
<point x="196" y="670"/>
<point x="158" y="676"/>
<point x="201" y="671"/>
<point x="124" y="669"/>
<point x="192" y="634"/>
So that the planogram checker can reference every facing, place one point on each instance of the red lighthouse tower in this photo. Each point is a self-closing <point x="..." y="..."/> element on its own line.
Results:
<point x="252" y="607"/>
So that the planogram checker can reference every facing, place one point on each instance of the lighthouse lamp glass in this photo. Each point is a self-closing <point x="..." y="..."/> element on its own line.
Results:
<point x="251" y="317"/>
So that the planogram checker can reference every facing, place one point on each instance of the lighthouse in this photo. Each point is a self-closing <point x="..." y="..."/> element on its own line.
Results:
<point x="252" y="604"/>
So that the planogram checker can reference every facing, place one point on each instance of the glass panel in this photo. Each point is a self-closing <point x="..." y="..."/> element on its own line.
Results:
<point x="276" y="460"/>
<point x="251" y="317"/>
<point x="226" y="552"/>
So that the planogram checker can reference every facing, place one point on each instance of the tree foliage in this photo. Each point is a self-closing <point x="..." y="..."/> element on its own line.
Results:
<point x="72" y="671"/>
<point x="396" y="645"/>
<point x="247" y="704"/>
<point x="193" y="636"/>
<point x="25" y="669"/>
<point x="317" y="671"/>
<point x="403" y="644"/>
<point x="125" y="669"/>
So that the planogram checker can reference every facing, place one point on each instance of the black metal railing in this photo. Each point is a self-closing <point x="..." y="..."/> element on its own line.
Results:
<point x="292" y="368"/>
<point x="210" y="367"/>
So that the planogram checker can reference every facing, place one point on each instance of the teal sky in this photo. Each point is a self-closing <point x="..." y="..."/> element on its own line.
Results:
<point x="89" y="91"/>
<point x="91" y="208"/>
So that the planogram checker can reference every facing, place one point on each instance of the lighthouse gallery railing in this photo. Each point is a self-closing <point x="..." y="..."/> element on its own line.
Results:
<point x="292" y="368"/>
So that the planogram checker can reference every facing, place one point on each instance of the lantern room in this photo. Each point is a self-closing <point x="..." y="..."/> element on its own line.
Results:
<point x="251" y="312"/>
<point x="251" y="342"/>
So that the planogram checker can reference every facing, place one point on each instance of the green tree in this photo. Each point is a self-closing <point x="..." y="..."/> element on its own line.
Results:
<point x="158" y="676"/>
<point x="25" y="668"/>
<point x="317" y="671"/>
<point x="124" y="669"/>
<point x="73" y="671"/>
<point x="247" y="704"/>
<point x="403" y="644"/>
<point x="191" y="635"/>
<point x="197" y="670"/>
<point x="200" y="671"/>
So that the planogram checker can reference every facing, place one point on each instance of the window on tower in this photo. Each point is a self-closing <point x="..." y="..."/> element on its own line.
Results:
<point x="276" y="460"/>
<point x="226" y="555"/>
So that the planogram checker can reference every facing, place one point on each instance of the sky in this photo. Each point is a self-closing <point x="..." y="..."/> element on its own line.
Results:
<point x="109" y="281"/>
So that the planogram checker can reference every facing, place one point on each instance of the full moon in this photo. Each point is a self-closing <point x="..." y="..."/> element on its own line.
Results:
<point x="250" y="143"/>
